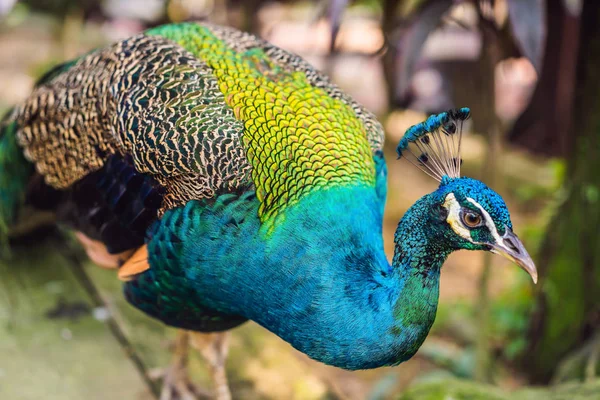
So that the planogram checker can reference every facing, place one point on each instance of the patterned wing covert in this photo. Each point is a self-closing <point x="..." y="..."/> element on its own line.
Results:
<point x="205" y="110"/>
<point x="144" y="96"/>
<point x="301" y="133"/>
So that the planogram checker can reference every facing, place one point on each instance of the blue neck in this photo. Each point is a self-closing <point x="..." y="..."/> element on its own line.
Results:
<point x="331" y="292"/>
<point x="320" y="279"/>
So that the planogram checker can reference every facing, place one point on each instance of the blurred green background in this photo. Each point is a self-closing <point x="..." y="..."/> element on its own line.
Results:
<point x="526" y="69"/>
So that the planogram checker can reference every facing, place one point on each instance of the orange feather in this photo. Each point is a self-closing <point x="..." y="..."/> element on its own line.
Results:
<point x="136" y="264"/>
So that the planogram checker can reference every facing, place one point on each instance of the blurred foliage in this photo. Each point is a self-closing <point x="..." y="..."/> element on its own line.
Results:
<point x="463" y="390"/>
<point x="567" y="309"/>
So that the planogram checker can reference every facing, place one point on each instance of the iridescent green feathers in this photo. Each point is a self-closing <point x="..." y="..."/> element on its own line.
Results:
<point x="434" y="145"/>
<point x="15" y="172"/>
<point x="205" y="110"/>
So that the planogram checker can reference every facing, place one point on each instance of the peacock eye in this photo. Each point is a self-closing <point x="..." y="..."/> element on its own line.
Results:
<point x="450" y="128"/>
<point x="471" y="219"/>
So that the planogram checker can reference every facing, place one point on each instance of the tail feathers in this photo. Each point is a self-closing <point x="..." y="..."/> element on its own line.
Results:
<point x="15" y="172"/>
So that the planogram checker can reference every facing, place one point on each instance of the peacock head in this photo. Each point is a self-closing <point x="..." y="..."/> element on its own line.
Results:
<point x="467" y="213"/>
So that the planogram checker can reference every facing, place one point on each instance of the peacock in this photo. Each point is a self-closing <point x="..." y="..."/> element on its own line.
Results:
<point x="227" y="180"/>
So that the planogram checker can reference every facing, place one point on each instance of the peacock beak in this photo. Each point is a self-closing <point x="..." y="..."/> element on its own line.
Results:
<point x="512" y="248"/>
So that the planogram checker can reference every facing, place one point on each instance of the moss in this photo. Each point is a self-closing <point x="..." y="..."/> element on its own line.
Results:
<point x="454" y="389"/>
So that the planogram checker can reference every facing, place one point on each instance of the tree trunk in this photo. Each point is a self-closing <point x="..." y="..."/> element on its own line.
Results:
<point x="544" y="127"/>
<point x="568" y="304"/>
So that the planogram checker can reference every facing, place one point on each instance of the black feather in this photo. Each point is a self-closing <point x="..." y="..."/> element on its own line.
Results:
<point x="115" y="205"/>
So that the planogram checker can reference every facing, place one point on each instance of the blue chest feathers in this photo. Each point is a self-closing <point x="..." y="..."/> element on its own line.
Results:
<point x="319" y="280"/>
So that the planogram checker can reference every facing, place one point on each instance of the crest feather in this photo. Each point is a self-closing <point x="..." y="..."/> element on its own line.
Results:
<point x="434" y="144"/>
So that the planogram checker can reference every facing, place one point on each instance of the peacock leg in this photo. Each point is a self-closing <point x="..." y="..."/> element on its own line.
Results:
<point x="176" y="383"/>
<point x="214" y="348"/>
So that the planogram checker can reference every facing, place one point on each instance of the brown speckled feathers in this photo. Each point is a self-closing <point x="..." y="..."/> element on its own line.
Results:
<point x="151" y="99"/>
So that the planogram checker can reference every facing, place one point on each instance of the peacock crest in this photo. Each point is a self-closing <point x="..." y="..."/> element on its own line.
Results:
<point x="434" y="144"/>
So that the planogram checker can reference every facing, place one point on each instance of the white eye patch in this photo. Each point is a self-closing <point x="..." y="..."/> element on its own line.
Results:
<point x="455" y="222"/>
<point x="453" y="207"/>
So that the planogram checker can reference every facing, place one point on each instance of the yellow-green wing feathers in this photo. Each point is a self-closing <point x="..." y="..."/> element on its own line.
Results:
<point x="300" y="132"/>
